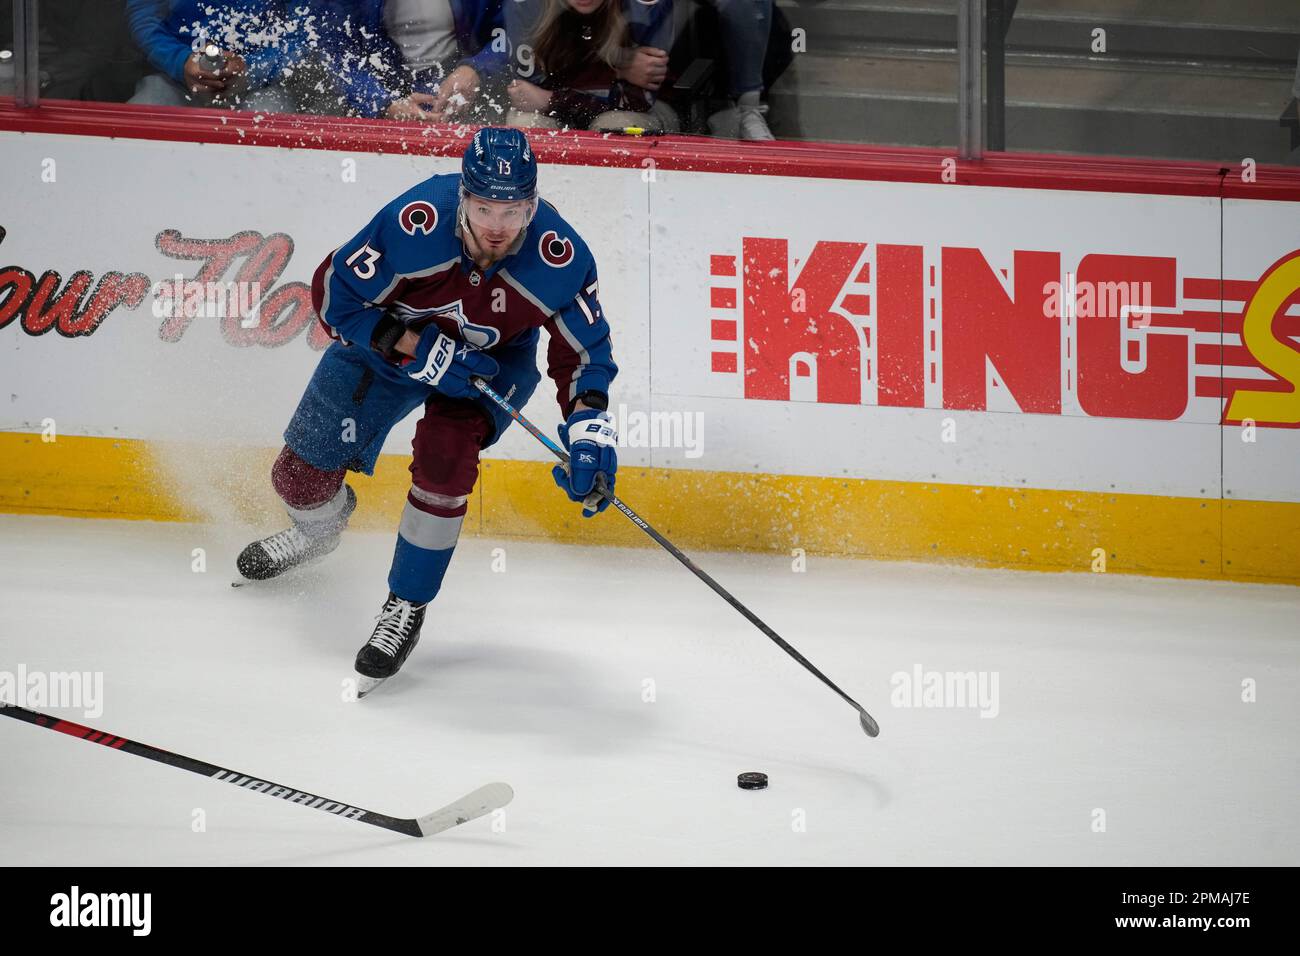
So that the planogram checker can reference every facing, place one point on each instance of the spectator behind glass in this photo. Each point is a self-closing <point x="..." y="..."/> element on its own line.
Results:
<point x="590" y="64"/>
<point x="745" y="25"/>
<point x="410" y="59"/>
<point x="259" y="48"/>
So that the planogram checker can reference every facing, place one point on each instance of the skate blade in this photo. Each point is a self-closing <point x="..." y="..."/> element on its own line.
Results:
<point x="367" y="684"/>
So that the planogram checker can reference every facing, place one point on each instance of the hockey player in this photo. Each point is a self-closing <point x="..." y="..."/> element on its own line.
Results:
<point x="450" y="281"/>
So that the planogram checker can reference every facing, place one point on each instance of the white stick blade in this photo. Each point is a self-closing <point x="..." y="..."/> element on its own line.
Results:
<point x="485" y="799"/>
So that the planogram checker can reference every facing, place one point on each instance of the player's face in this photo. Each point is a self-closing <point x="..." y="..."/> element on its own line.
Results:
<point x="496" y="224"/>
<point x="585" y="7"/>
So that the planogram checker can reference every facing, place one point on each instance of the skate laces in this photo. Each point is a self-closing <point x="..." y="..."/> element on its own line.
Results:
<point x="286" y="545"/>
<point x="391" y="631"/>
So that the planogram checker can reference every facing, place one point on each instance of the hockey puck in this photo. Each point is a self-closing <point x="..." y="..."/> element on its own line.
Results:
<point x="752" y="780"/>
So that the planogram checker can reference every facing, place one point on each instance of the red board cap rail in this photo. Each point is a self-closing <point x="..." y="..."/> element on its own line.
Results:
<point x="701" y="154"/>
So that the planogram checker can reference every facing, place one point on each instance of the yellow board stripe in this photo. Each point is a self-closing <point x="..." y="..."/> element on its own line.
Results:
<point x="1031" y="529"/>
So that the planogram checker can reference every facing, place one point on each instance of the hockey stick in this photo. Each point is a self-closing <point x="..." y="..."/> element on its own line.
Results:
<point x="866" y="720"/>
<point x="483" y="800"/>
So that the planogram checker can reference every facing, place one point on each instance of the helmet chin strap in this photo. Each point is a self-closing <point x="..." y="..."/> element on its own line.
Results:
<point x="469" y="230"/>
<point x="465" y="227"/>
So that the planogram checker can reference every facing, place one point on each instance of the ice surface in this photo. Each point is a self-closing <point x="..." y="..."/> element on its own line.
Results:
<point x="1114" y="693"/>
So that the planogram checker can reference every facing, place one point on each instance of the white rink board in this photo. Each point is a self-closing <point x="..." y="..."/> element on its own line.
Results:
<point x="1268" y="468"/>
<point x="1005" y="448"/>
<point x="128" y="383"/>
<point x="653" y="244"/>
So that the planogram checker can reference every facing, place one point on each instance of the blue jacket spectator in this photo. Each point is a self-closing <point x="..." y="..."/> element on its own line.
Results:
<point x="169" y="31"/>
<point x="371" y="70"/>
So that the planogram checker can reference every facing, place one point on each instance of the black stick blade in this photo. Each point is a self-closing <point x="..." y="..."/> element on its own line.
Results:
<point x="869" y="725"/>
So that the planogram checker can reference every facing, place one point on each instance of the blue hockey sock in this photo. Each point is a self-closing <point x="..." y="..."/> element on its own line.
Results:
<point x="425" y="544"/>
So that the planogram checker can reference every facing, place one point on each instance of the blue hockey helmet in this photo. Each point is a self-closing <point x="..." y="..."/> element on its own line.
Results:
<point x="499" y="165"/>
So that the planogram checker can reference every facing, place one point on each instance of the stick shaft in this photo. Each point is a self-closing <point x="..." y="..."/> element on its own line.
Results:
<point x="182" y="762"/>
<point x="869" y="722"/>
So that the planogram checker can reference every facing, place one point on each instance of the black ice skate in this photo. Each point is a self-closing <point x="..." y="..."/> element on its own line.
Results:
<point x="294" y="546"/>
<point x="395" y="636"/>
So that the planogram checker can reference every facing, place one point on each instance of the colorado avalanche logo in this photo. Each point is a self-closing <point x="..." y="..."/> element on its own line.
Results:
<point x="418" y="216"/>
<point x="417" y="318"/>
<point x="555" y="250"/>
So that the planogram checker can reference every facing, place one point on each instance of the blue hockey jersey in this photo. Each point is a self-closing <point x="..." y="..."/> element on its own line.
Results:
<point x="410" y="263"/>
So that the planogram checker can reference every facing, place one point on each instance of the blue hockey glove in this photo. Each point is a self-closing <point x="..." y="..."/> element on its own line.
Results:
<point x="449" y="365"/>
<point x="591" y="443"/>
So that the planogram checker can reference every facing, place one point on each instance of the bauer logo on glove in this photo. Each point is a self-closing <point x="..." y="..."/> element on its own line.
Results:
<point x="448" y="366"/>
<point x="592" y="444"/>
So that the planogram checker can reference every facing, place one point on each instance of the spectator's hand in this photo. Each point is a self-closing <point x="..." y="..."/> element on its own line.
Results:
<point x="528" y="97"/>
<point x="235" y="65"/>
<point x="199" y="80"/>
<point x="457" y="91"/>
<point x="235" y="73"/>
<point x="417" y="106"/>
<point x="647" y="68"/>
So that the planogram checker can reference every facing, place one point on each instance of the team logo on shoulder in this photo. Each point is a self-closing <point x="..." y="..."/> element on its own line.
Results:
<point x="555" y="250"/>
<point x="418" y="216"/>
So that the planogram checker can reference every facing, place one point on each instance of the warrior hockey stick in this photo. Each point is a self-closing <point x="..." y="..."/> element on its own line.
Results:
<point x="483" y="800"/>
<point x="866" y="720"/>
